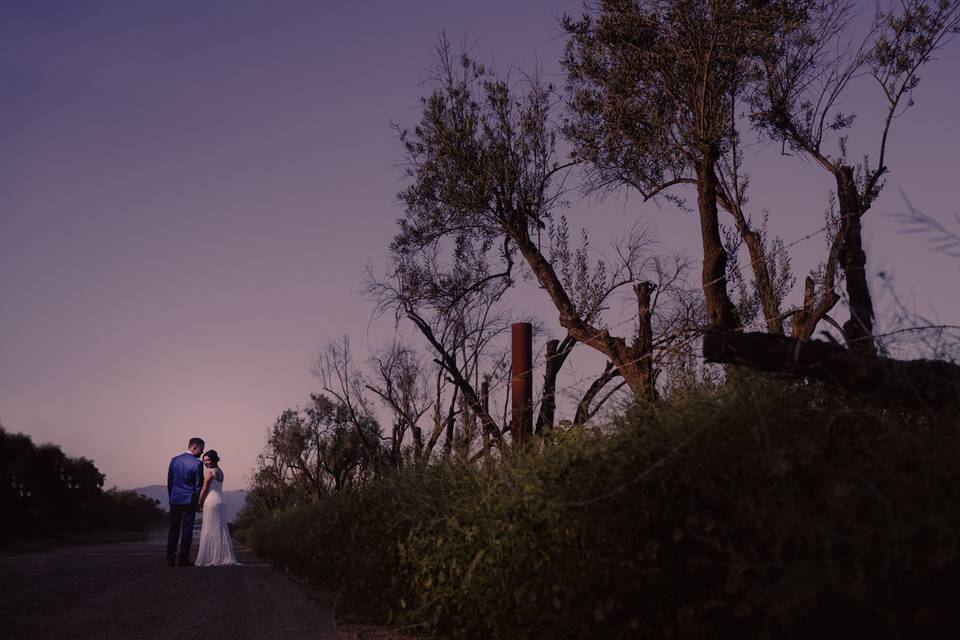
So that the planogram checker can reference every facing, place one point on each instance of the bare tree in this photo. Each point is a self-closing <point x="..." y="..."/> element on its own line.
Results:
<point x="457" y="310"/>
<point x="556" y="353"/>
<point x="340" y="378"/>
<point x="402" y="386"/>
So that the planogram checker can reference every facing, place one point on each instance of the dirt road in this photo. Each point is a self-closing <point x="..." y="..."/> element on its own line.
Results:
<point x="126" y="591"/>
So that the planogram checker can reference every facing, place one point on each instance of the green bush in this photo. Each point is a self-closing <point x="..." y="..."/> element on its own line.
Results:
<point x="771" y="511"/>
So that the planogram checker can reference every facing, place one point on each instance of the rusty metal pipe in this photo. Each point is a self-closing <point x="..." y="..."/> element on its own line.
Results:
<point x="521" y="381"/>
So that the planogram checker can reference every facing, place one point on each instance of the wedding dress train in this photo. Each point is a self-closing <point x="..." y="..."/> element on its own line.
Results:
<point x="215" y="545"/>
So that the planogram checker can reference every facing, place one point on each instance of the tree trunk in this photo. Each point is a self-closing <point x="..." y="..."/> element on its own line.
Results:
<point x="720" y="310"/>
<point x="417" y="442"/>
<point x="911" y="383"/>
<point x="614" y="348"/>
<point x="448" y="430"/>
<point x="858" y="330"/>
<point x="759" y="264"/>
<point x="764" y="283"/>
<point x="557" y="353"/>
<point x="806" y="319"/>
<point x="643" y="347"/>
<point x="584" y="411"/>
<point x="396" y="443"/>
<point x="448" y="364"/>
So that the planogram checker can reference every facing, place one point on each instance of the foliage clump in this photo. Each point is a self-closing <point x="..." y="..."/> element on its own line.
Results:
<point x="769" y="510"/>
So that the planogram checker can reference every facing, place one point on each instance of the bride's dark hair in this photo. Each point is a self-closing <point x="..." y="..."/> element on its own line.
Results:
<point x="214" y="457"/>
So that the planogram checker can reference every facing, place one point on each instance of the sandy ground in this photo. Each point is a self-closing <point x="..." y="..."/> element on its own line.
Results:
<point x="125" y="590"/>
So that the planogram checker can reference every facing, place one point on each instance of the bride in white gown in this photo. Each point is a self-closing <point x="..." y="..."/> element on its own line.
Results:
<point x="215" y="546"/>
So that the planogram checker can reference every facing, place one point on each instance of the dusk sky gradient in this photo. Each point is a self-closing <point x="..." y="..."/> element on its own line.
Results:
<point x="191" y="190"/>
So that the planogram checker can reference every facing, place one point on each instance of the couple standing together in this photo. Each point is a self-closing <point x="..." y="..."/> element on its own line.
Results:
<point x="195" y="483"/>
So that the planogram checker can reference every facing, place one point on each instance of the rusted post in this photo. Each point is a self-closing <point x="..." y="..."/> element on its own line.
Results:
<point x="521" y="382"/>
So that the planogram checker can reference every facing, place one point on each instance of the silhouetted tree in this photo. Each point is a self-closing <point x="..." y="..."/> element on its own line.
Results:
<point x="401" y="384"/>
<point x="653" y="92"/>
<point x="452" y="294"/>
<point x="310" y="453"/>
<point x="485" y="183"/>
<point x="807" y="66"/>
<point x="43" y="492"/>
<point x="342" y="380"/>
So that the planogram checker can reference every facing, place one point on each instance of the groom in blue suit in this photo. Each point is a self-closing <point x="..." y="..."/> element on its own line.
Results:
<point x="184" y="479"/>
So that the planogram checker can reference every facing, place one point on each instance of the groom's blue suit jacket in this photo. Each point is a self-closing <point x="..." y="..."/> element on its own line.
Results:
<point x="184" y="479"/>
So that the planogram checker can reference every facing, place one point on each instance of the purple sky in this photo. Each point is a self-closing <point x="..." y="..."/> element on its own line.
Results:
<point x="190" y="191"/>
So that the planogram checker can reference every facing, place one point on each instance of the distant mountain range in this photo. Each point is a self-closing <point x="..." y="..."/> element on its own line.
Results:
<point x="233" y="499"/>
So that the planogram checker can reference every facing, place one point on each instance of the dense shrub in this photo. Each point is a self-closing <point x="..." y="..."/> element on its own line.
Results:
<point x="771" y="511"/>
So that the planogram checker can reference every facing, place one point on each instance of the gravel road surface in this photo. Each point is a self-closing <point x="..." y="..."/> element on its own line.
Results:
<point x="126" y="591"/>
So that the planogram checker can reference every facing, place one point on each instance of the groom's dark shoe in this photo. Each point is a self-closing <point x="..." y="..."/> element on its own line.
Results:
<point x="184" y="563"/>
<point x="171" y="563"/>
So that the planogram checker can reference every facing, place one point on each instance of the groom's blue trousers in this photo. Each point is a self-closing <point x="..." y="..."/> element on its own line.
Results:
<point x="182" y="517"/>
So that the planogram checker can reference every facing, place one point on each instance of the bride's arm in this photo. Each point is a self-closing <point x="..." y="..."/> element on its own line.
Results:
<point x="203" y="492"/>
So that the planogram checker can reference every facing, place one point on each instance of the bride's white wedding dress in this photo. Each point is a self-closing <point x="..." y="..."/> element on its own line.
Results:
<point x="215" y="545"/>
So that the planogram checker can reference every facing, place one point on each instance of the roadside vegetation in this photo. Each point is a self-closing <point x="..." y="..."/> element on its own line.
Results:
<point x="48" y="497"/>
<point x="769" y="510"/>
